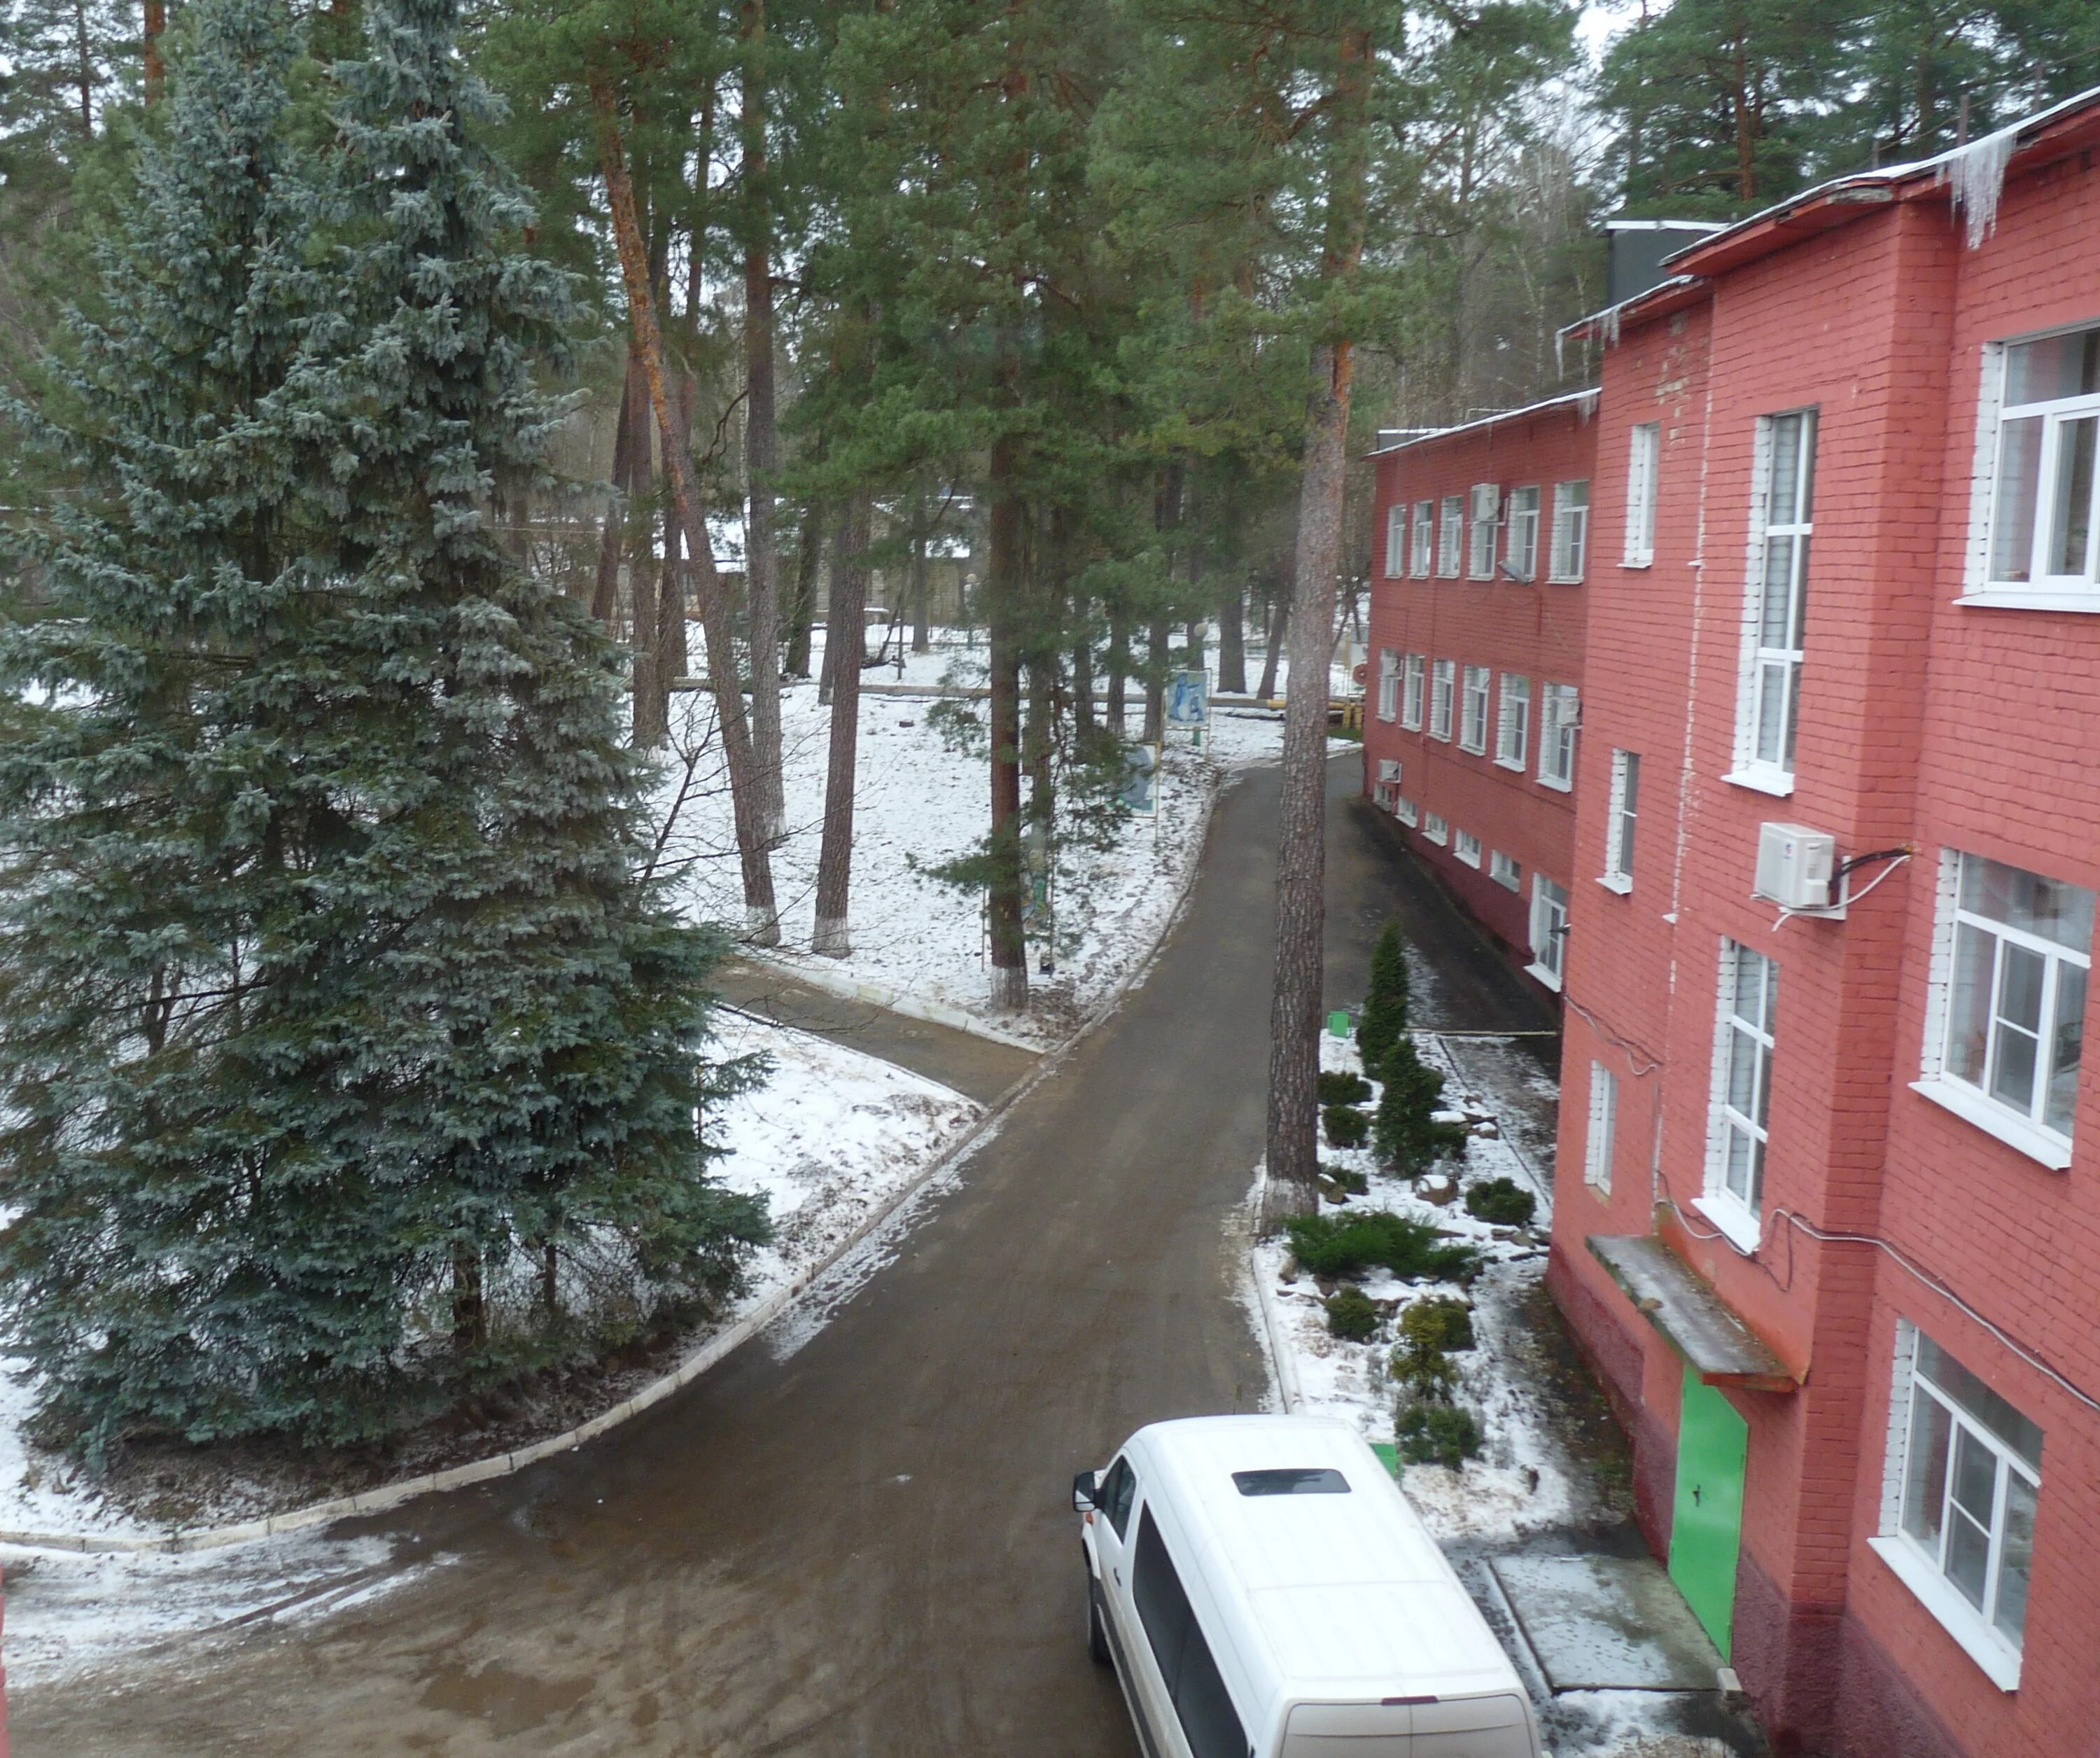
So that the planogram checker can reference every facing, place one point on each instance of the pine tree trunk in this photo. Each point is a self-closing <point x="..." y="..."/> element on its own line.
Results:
<point x="922" y="586"/>
<point x="628" y="437"/>
<point x="761" y="438"/>
<point x="1232" y="639"/>
<point x="1082" y="685"/>
<point x="652" y="720"/>
<point x="1009" y="951"/>
<point x="1279" y="614"/>
<point x="673" y="661"/>
<point x="762" y="915"/>
<point x="157" y="69"/>
<point x="1155" y="680"/>
<point x="1118" y="707"/>
<point x="470" y="1313"/>
<point x="847" y="624"/>
<point x="802" y="606"/>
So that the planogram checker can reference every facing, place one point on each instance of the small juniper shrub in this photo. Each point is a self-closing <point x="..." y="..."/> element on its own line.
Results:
<point x="1345" y="1126"/>
<point x="1403" y="1132"/>
<point x="1440" y="1321"/>
<point x="1341" y="1086"/>
<point x="1502" y="1201"/>
<point x="1428" y="1432"/>
<point x="1383" y="1021"/>
<point x="1352" y="1181"/>
<point x="1340" y="1245"/>
<point x="1424" y="1369"/>
<point x="1351" y="1315"/>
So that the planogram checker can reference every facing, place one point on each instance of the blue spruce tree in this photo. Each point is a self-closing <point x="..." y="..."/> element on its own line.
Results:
<point x="346" y="1059"/>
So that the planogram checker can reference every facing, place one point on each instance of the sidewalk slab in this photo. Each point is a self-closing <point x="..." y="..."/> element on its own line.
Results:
<point x="1608" y="1623"/>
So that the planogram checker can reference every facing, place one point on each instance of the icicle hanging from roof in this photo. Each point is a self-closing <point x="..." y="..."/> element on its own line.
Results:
<point x="1976" y="175"/>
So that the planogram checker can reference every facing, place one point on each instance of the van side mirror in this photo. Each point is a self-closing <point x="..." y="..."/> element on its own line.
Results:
<point x="1085" y="1487"/>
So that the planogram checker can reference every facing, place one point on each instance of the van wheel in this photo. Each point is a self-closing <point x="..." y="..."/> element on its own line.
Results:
<point x="1097" y="1634"/>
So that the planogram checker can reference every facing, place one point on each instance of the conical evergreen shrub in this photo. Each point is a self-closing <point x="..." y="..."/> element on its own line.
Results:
<point x="345" y="1058"/>
<point x="1384" y="1018"/>
<point x="1404" y="1133"/>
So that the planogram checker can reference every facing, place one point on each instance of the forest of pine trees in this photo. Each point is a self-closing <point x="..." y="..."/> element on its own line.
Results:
<point x="381" y="378"/>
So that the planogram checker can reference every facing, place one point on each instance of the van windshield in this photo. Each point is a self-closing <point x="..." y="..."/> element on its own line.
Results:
<point x="1315" y="1480"/>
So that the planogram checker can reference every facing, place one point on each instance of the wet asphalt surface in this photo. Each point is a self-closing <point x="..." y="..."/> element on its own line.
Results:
<point x="863" y="1545"/>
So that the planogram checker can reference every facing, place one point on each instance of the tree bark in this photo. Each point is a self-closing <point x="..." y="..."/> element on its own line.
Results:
<point x="157" y="69"/>
<point x="1279" y="617"/>
<point x="1009" y="951"/>
<point x="762" y="440"/>
<point x="627" y="436"/>
<point x="1118" y="706"/>
<point x="1155" y="680"/>
<point x="922" y="585"/>
<point x="802" y="606"/>
<point x="1231" y="638"/>
<point x="762" y="915"/>
<point x="847" y="624"/>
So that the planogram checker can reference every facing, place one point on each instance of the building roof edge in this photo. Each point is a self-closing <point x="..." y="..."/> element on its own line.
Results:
<point x="1567" y="397"/>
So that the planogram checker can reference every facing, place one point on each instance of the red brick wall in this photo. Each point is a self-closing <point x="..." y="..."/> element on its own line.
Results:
<point x="1533" y="631"/>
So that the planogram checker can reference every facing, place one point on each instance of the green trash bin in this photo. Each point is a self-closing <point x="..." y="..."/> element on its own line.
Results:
<point x="1338" y="1024"/>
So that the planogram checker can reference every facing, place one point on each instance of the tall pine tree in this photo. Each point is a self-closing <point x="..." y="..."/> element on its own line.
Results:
<point x="334" y="1020"/>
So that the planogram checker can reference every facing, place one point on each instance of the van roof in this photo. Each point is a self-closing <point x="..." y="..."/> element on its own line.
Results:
<point x="1328" y="1597"/>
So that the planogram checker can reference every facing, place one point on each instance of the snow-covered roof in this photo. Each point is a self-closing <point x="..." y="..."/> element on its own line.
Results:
<point x="1588" y="398"/>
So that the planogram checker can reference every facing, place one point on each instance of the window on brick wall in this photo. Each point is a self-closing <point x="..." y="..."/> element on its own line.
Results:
<point x="1775" y="602"/>
<point x="1520" y="553"/>
<point x="1437" y="828"/>
<point x="1406" y="810"/>
<point x="1743" y="1044"/>
<point x="1396" y="540"/>
<point x="1621" y="817"/>
<point x="1451" y="536"/>
<point x="1466" y="846"/>
<point x="1513" y="721"/>
<point x="1549" y="930"/>
<point x="1560" y="715"/>
<point x="1486" y="518"/>
<point x="1473" y="722"/>
<point x="1571" y="531"/>
<point x="2042" y="520"/>
<point x="2007" y="1001"/>
<point x="1960" y="1483"/>
<point x="1388" y="706"/>
<point x="1413" y="688"/>
<point x="1505" y="872"/>
<point x="1425" y="539"/>
<point x="1604" y="1124"/>
<point x="1387" y="788"/>
<point x="1443" y="679"/>
<point x="1644" y="469"/>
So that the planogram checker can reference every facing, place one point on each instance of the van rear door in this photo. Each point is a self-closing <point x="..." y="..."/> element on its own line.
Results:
<point x="1496" y="1726"/>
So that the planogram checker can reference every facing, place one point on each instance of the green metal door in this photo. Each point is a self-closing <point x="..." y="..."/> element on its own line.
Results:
<point x="1707" y="1530"/>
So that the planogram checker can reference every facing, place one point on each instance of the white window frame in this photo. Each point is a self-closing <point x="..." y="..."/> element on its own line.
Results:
<point x="1388" y="698"/>
<point x="1437" y="828"/>
<point x="1737" y="1213"/>
<point x="1408" y="812"/>
<point x="1396" y="540"/>
<point x="1643" y="475"/>
<point x="1621" y="818"/>
<point x="1466" y="846"/>
<point x="1975" y="1102"/>
<point x="1559" y="720"/>
<point x="1451" y="536"/>
<point x="1520" y="548"/>
<point x="1604" y="1125"/>
<point x="1549" y="930"/>
<point x="1762" y="660"/>
<point x="1920" y="1562"/>
<point x="2040" y="590"/>
<point x="1485" y="518"/>
<point x="1414" y="687"/>
<point x="1473" y="711"/>
<point x="1443" y="692"/>
<point x="1571" y="531"/>
<point x="1506" y="872"/>
<point x="1513" y="721"/>
<point x="1423" y="556"/>
<point x="1388" y="789"/>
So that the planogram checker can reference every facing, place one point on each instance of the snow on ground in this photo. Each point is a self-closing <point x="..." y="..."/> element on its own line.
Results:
<point x="1525" y="1480"/>
<point x="918" y="803"/>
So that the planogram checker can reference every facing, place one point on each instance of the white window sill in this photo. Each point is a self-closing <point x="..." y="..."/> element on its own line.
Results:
<point x="1621" y="883"/>
<point x="1970" y="1105"/>
<point x="1639" y="561"/>
<point x="1467" y="860"/>
<point x="1508" y="885"/>
<point x="1388" y="718"/>
<point x="1558" y="787"/>
<point x="1762" y="780"/>
<point x="1563" y="580"/>
<point x="2028" y="599"/>
<point x="1410" y="727"/>
<point x="1474" y="750"/>
<point x="1552" y="979"/>
<point x="1503" y="762"/>
<point x="1738" y="1225"/>
<point x="1999" y="1660"/>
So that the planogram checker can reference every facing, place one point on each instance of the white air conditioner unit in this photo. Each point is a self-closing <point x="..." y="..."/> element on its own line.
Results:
<point x="1795" y="866"/>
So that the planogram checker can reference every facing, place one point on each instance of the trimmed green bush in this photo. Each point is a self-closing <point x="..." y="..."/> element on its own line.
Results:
<point x="1429" y="1434"/>
<point x="1437" y="1322"/>
<point x="1502" y="1201"/>
<point x="1339" y="1086"/>
<point x="1425" y="1370"/>
<point x="1345" y="1126"/>
<point x="1351" y="1314"/>
<point x="1341" y="1245"/>
<point x="1383" y="1021"/>
<point x="1403" y="1132"/>
<point x="1354" y="1182"/>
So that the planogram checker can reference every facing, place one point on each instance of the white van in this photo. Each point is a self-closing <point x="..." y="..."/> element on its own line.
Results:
<point x="1264" y="1591"/>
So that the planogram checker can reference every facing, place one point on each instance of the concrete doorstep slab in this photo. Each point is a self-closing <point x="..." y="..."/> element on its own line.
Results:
<point x="1608" y="1623"/>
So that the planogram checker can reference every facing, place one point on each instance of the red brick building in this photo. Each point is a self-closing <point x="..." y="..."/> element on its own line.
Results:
<point x="1476" y="632"/>
<point x="1828" y="1210"/>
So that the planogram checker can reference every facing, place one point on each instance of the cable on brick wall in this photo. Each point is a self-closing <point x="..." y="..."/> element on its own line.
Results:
<point x="1636" y="1053"/>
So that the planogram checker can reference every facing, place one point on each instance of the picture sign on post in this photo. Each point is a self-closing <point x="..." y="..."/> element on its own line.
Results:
<point x="1188" y="701"/>
<point x="1141" y="780"/>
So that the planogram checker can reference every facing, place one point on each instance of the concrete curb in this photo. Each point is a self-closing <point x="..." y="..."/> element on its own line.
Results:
<point x="890" y="1001"/>
<point x="392" y="1495"/>
<point x="1280" y="1359"/>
